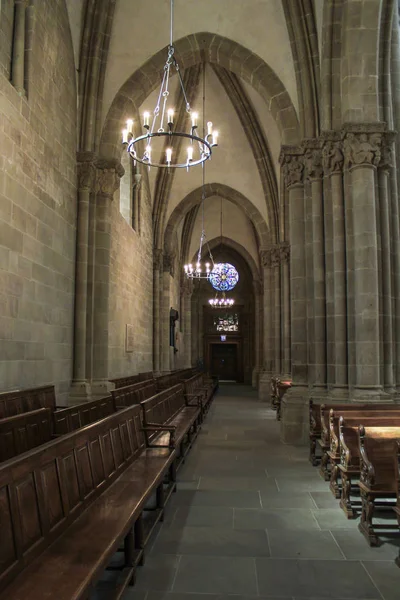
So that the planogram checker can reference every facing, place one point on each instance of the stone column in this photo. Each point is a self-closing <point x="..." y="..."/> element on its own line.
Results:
<point x="285" y="311"/>
<point x="276" y="308"/>
<point x="80" y="390"/>
<point x="157" y="270"/>
<point x="385" y="166"/>
<point x="258" y="333"/>
<point x="264" y="390"/>
<point x="317" y="319"/>
<point x="362" y="152"/>
<point x="18" y="51"/>
<point x="187" y="291"/>
<point x="333" y="165"/>
<point x="294" y="423"/>
<point x="168" y="272"/>
<point x="107" y="182"/>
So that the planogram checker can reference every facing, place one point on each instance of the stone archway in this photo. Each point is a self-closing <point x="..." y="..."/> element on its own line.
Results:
<point x="191" y="50"/>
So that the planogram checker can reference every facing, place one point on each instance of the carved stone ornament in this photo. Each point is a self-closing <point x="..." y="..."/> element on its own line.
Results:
<point x="285" y="252"/>
<point x="313" y="163"/>
<point x="86" y="175"/>
<point x="362" y="149"/>
<point x="271" y="257"/>
<point x="157" y="259"/>
<point x="293" y="168"/>
<point x="107" y="182"/>
<point x="169" y="263"/>
<point x="387" y="160"/>
<point x="332" y="157"/>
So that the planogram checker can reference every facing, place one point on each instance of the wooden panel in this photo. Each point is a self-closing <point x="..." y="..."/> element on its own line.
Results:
<point x="69" y="465"/>
<point x="52" y="495"/>
<point x="84" y="470"/>
<point x="27" y="502"/>
<point x="117" y="446"/>
<point x="108" y="459"/>
<point x="8" y="550"/>
<point x="96" y="462"/>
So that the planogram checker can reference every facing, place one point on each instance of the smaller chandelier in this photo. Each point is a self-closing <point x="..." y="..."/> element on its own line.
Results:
<point x="200" y="270"/>
<point x="161" y="125"/>
<point x="221" y="302"/>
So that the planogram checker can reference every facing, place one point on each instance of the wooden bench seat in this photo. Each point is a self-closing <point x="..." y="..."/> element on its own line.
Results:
<point x="23" y="432"/>
<point x="324" y="441"/>
<point x="355" y="417"/>
<point x="66" y="507"/>
<point x="21" y="401"/>
<point x="378" y="480"/>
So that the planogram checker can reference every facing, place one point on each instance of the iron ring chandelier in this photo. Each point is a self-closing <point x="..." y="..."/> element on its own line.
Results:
<point x="161" y="125"/>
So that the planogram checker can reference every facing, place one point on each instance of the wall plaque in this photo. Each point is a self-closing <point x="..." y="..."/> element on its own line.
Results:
<point x="129" y="339"/>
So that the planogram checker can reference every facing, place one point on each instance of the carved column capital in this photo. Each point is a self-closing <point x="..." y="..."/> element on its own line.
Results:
<point x="169" y="263"/>
<point x="86" y="171"/>
<point x="273" y="256"/>
<point x="292" y="164"/>
<point x="362" y="144"/>
<point x="109" y="173"/>
<point x="313" y="164"/>
<point x="157" y="259"/>
<point x="332" y="156"/>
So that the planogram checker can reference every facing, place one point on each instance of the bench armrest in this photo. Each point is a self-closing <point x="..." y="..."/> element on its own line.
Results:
<point x="367" y="471"/>
<point x="158" y="427"/>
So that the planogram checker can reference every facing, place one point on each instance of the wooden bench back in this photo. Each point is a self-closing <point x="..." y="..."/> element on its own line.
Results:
<point x="146" y="376"/>
<point x="23" y="432"/>
<point x="358" y="417"/>
<point x="162" y="407"/>
<point x="193" y="383"/>
<point x="378" y="447"/>
<point x="134" y="394"/>
<point x="349" y="406"/>
<point x="21" y="401"/>
<point x="69" y="419"/>
<point x="349" y="434"/>
<point x="42" y="492"/>
<point x="315" y="418"/>
<point x="125" y="381"/>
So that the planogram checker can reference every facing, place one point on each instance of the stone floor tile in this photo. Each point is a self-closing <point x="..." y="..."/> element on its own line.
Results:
<point x="386" y="576"/>
<point x="313" y="484"/>
<point x="211" y="541"/>
<point x="354" y="546"/>
<point x="325" y="500"/>
<point x="286" y="500"/>
<point x="237" y="483"/>
<point x="334" y="518"/>
<point x="158" y="573"/>
<point x="203" y="516"/>
<point x="239" y="498"/>
<point x="303" y="544"/>
<point x="291" y="518"/>
<point x="315" y="578"/>
<point x="216" y="575"/>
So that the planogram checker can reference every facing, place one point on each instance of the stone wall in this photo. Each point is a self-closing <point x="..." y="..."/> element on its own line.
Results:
<point x="38" y="206"/>
<point x="131" y="290"/>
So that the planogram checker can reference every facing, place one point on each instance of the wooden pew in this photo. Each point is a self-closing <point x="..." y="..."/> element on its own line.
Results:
<point x="21" y="401"/>
<point x="198" y="386"/>
<point x="274" y="392"/>
<point x="397" y="487"/>
<point x="67" y="506"/>
<point x="23" y="432"/>
<point x="66" y="420"/>
<point x="170" y="407"/>
<point x="370" y="416"/>
<point x="282" y="387"/>
<point x="324" y="441"/>
<point x="349" y="465"/>
<point x="133" y="394"/>
<point x="315" y="431"/>
<point x="377" y="447"/>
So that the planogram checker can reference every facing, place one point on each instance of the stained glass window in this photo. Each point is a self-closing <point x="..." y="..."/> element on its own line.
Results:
<point x="227" y="322"/>
<point x="224" y="277"/>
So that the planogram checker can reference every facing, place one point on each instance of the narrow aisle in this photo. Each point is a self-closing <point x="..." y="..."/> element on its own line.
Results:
<point x="253" y="519"/>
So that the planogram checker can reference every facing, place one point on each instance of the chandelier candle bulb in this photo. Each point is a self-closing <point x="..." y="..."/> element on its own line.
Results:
<point x="146" y="120"/>
<point x="195" y="116"/>
<point x="125" y="136"/>
<point x="168" y="153"/>
<point x="209" y="128"/>
<point x="215" y="138"/>
<point x="170" y="116"/>
<point x="190" y="153"/>
<point x="129" y="126"/>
